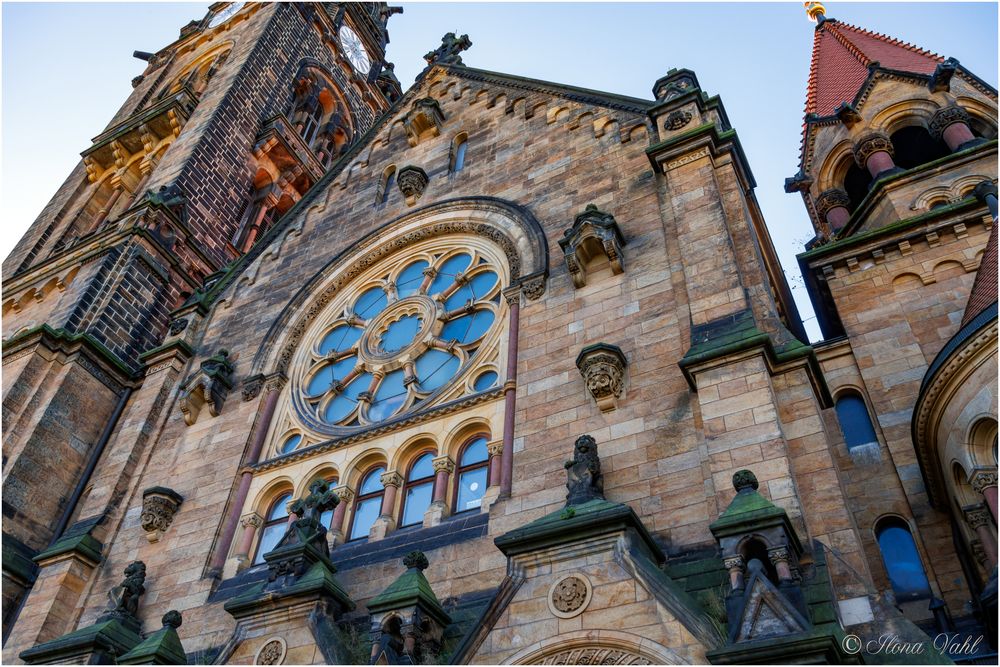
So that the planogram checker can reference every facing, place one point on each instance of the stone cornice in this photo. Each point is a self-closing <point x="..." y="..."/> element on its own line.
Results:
<point x="706" y="139"/>
<point x="103" y="363"/>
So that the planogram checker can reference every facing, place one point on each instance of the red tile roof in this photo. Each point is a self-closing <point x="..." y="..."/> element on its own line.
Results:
<point x="840" y="59"/>
<point x="984" y="289"/>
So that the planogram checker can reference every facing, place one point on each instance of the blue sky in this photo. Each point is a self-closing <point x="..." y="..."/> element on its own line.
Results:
<point x="67" y="67"/>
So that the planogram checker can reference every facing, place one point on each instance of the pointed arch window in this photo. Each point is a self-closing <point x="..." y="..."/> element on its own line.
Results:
<point x="855" y="423"/>
<point x="472" y="476"/>
<point x="901" y="559"/>
<point x="275" y="525"/>
<point x="368" y="505"/>
<point x="418" y="491"/>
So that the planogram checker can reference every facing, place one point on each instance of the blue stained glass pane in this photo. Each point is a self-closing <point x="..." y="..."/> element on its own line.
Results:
<point x="342" y="405"/>
<point x="389" y="397"/>
<point x="434" y="368"/>
<point x="365" y="513"/>
<point x="326" y="518"/>
<point x="468" y="328"/>
<point x="410" y="278"/>
<point x="422" y="467"/>
<point x="902" y="562"/>
<point x="460" y="156"/>
<point x="448" y="270"/>
<point x="372" y="482"/>
<point x="855" y="423"/>
<point x="485" y="381"/>
<point x="477" y="288"/>
<point x="279" y="510"/>
<point x="475" y="452"/>
<point x="269" y="538"/>
<point x="418" y="499"/>
<point x="371" y="303"/>
<point x="324" y="378"/>
<point x="291" y="443"/>
<point x="471" y="487"/>
<point x="339" y="339"/>
<point x="400" y="333"/>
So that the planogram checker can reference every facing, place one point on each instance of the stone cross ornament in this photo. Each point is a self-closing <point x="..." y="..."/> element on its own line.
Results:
<point x="448" y="52"/>
<point x="584" y="480"/>
<point x="308" y="528"/>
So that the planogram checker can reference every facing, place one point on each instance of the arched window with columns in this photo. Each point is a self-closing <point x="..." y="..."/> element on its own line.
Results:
<point x="418" y="490"/>
<point x="472" y="475"/>
<point x="368" y="505"/>
<point x="275" y="525"/>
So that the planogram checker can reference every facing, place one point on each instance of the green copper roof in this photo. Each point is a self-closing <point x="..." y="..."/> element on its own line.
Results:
<point x="105" y="636"/>
<point x="411" y="588"/>
<point x="163" y="647"/>
<point x="748" y="508"/>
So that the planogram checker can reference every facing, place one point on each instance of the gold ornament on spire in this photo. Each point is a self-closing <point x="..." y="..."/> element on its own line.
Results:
<point x="814" y="10"/>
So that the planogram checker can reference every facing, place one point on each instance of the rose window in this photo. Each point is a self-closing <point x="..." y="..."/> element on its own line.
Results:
<point x="401" y="338"/>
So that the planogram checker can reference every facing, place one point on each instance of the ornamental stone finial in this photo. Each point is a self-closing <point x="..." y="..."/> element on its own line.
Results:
<point x="585" y="481"/>
<point x="448" y="52"/>
<point x="415" y="560"/>
<point x="172" y="619"/>
<point x="745" y="480"/>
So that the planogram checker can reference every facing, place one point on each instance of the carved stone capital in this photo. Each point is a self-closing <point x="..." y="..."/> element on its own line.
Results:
<point x="159" y="505"/>
<point x="391" y="478"/>
<point x="345" y="493"/>
<point x="778" y="555"/>
<point x="829" y="200"/>
<point x="252" y="520"/>
<point x="734" y="563"/>
<point x="251" y="387"/>
<point x="870" y="144"/>
<point x="533" y="286"/>
<point x="603" y="369"/>
<point x="495" y="448"/>
<point x="512" y="294"/>
<point x="982" y="479"/>
<point x="947" y="116"/>
<point x="412" y="182"/>
<point x="593" y="232"/>
<point x="275" y="382"/>
<point x="443" y="464"/>
<point x="977" y="517"/>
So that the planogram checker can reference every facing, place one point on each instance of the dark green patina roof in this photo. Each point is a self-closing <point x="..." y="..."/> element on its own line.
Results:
<point x="163" y="647"/>
<point x="410" y="588"/>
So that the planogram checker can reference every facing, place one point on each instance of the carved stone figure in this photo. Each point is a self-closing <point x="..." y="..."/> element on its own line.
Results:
<point x="123" y="599"/>
<point x="584" y="480"/>
<point x="412" y="182"/>
<point x="448" y="52"/>
<point x="209" y="385"/>
<point x="677" y="119"/>
<point x="603" y="369"/>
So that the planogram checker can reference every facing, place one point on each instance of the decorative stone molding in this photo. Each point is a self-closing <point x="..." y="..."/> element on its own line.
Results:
<point x="594" y="656"/>
<point x="208" y="385"/>
<point x="275" y="382"/>
<point x="603" y="368"/>
<point x="391" y="478"/>
<point x="829" y="200"/>
<point x="252" y="387"/>
<point x="533" y="287"/>
<point x="593" y="232"/>
<point x="870" y="144"/>
<point x="425" y="116"/>
<point x="271" y="652"/>
<point x="443" y="464"/>
<point x="847" y="114"/>
<point x="159" y="505"/>
<point x="983" y="479"/>
<point x="977" y="517"/>
<point x="178" y="325"/>
<point x="978" y="552"/>
<point x="675" y="84"/>
<point x="569" y="596"/>
<point x="412" y="182"/>
<point x="252" y="520"/>
<point x="947" y="116"/>
<point x="677" y="119"/>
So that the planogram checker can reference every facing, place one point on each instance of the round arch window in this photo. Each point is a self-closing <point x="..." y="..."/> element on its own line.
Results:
<point x="400" y="335"/>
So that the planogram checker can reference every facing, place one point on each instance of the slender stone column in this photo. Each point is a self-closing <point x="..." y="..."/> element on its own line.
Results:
<point x="874" y="152"/>
<point x="510" y="390"/>
<point x="985" y="482"/>
<point x="444" y="466"/>
<point x="272" y="389"/>
<point x="734" y="565"/>
<point x="346" y="495"/>
<point x="250" y="522"/>
<point x="831" y="206"/>
<point x="951" y="124"/>
<point x="779" y="557"/>
<point x="391" y="480"/>
<point x="495" y="450"/>
<point x="979" y="519"/>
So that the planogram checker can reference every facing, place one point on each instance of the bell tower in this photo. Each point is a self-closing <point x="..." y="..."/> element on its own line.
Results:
<point x="898" y="169"/>
<point x="227" y="127"/>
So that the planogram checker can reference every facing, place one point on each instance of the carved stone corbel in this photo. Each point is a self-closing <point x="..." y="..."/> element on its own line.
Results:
<point x="209" y="385"/>
<point x="593" y="232"/>
<point x="425" y="115"/>
<point x="603" y="369"/>
<point x="159" y="505"/>
<point x="412" y="182"/>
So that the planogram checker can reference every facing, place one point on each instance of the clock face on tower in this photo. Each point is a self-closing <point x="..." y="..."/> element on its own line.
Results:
<point x="355" y="50"/>
<point x="225" y="14"/>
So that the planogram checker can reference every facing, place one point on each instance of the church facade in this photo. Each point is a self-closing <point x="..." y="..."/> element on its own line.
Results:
<point x="303" y="368"/>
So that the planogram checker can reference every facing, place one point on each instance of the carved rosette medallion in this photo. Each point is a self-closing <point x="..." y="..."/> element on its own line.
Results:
<point x="570" y="595"/>
<point x="603" y="369"/>
<point x="412" y="182"/>
<point x="868" y="145"/>
<point x="159" y="505"/>
<point x="272" y="652"/>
